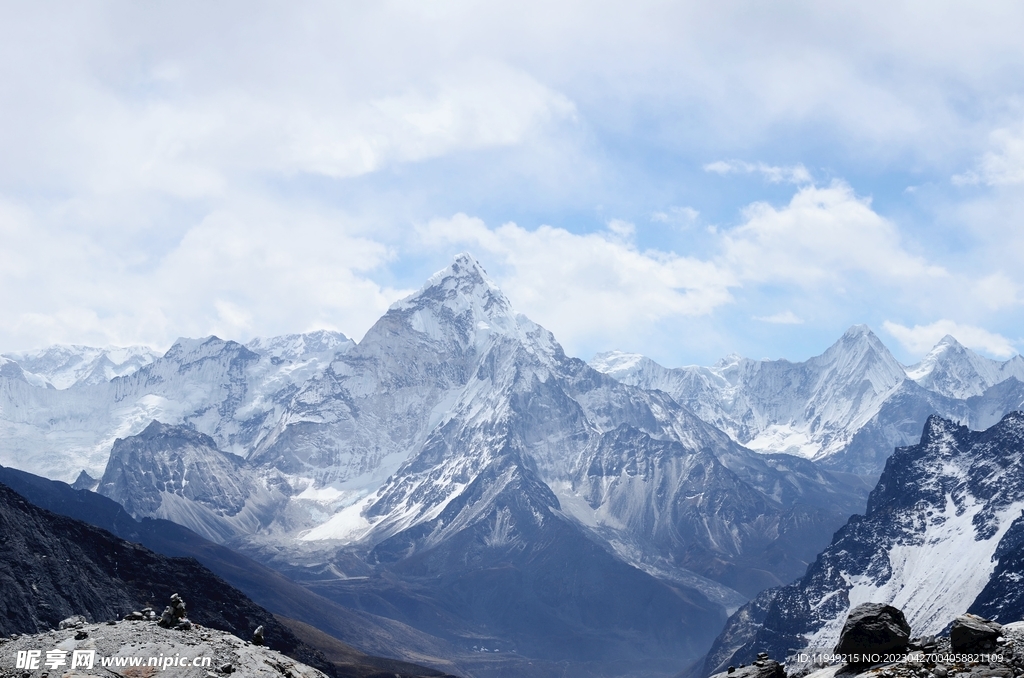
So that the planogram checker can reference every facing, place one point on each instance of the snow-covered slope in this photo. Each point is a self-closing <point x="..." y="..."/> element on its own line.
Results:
<point x="930" y="543"/>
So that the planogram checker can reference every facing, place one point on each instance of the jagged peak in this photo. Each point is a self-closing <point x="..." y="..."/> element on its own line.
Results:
<point x="948" y="341"/>
<point x="158" y="429"/>
<point x="610" y="362"/>
<point x="856" y="331"/>
<point x="860" y="340"/>
<point x="205" y="347"/>
<point x="464" y="275"/>
<point x="463" y="298"/>
<point x="297" y="346"/>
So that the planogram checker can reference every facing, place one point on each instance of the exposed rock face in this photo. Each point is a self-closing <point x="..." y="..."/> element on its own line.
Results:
<point x="761" y="668"/>
<point x="973" y="634"/>
<point x="269" y="589"/>
<point x="874" y="628"/>
<point x="1006" y="660"/>
<point x="175" y="472"/>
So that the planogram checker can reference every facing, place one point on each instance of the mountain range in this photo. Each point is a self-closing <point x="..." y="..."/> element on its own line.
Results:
<point x="847" y="408"/>
<point x="457" y="472"/>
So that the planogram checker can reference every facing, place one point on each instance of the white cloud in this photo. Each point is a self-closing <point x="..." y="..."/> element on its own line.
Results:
<point x="920" y="339"/>
<point x="1003" y="166"/>
<point x="783" y="318"/>
<point x="682" y="216"/>
<point x="591" y="285"/>
<point x="820" y="237"/>
<point x="242" y="270"/>
<point x="794" y="174"/>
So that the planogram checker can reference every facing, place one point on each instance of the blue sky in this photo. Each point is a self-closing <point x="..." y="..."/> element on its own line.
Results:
<point x="683" y="180"/>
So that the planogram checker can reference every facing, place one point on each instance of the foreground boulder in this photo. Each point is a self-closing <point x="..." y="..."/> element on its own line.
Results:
<point x="874" y="628"/>
<point x="762" y="668"/>
<point x="973" y="634"/>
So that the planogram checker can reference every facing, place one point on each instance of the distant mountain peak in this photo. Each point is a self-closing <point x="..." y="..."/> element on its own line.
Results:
<point x="956" y="371"/>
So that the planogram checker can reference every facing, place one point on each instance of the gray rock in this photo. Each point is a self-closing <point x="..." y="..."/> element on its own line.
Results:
<point x="762" y="668"/>
<point x="72" y="622"/>
<point x="174" y="613"/>
<point x="874" y="628"/>
<point x="972" y="634"/>
<point x="257" y="636"/>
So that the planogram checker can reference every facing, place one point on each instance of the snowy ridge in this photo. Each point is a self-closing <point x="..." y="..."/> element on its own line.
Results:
<point x="817" y="408"/>
<point x="958" y="372"/>
<point x="64" y="366"/>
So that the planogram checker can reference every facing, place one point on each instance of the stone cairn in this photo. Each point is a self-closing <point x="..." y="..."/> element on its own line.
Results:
<point x="174" y="616"/>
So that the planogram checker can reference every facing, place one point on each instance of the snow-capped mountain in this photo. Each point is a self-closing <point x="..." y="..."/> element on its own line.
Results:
<point x="221" y="388"/>
<point x="940" y="535"/>
<point x="64" y="366"/>
<point x="849" y="407"/>
<point x="480" y="484"/>
<point x="808" y="409"/>
<point x="520" y="403"/>
<point x="455" y="470"/>
<point x="955" y="371"/>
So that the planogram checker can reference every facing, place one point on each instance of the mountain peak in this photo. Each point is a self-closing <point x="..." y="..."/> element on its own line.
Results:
<point x="856" y="331"/>
<point x="948" y="341"/>
<point x="463" y="296"/>
<point x="956" y="371"/>
<point x="860" y="340"/>
<point x="464" y="270"/>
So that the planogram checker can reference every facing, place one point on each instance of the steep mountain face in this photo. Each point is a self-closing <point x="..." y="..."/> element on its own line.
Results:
<point x="176" y="473"/>
<point x="53" y="566"/>
<point x="941" y="535"/>
<point x="847" y="408"/>
<point x="500" y="568"/>
<point x="232" y="393"/>
<point x="748" y="525"/>
<point x="558" y="418"/>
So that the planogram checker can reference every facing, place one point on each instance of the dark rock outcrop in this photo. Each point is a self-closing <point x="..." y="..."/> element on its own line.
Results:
<point x="874" y="628"/>
<point x="763" y="667"/>
<point x="973" y="634"/>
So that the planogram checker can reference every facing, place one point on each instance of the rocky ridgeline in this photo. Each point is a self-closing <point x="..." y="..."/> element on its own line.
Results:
<point x="168" y="644"/>
<point x="876" y="642"/>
